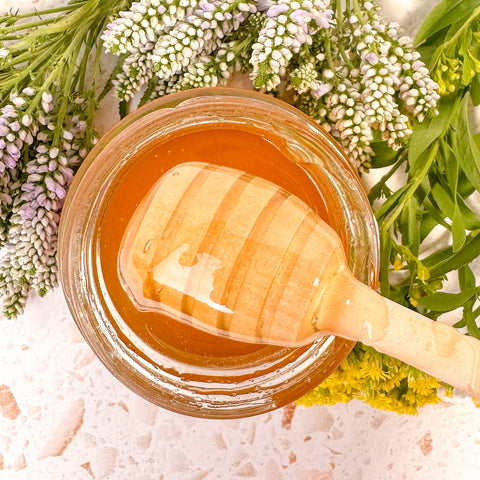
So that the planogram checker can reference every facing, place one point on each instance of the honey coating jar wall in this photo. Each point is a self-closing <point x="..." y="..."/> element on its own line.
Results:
<point x="163" y="364"/>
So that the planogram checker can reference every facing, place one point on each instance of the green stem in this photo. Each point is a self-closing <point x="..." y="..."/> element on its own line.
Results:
<point x="64" y="25"/>
<point x="23" y="73"/>
<point x="454" y="39"/>
<point x="339" y="15"/>
<point x="92" y="106"/>
<point x="358" y="12"/>
<point x="64" y="59"/>
<point x="417" y="180"/>
<point x="38" y="13"/>
<point x="67" y="87"/>
<point x="390" y="173"/>
<point x="27" y="26"/>
<point x="329" y="59"/>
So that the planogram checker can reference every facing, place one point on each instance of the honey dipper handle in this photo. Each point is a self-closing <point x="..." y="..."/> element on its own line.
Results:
<point x="359" y="313"/>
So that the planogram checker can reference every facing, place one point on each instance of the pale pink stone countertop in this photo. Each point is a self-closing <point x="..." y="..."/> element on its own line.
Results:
<point x="63" y="416"/>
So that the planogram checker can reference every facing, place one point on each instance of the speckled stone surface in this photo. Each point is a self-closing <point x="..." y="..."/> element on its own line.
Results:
<point x="63" y="416"/>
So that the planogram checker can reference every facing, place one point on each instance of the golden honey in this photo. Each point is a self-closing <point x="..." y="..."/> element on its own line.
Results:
<point x="251" y="150"/>
<point x="167" y="361"/>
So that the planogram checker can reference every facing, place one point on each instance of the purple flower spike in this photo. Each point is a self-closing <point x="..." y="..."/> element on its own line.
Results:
<point x="42" y="199"/>
<point x="371" y="58"/>
<point x="321" y="90"/>
<point x="206" y="6"/>
<point x="13" y="151"/>
<point x="27" y="187"/>
<point x="67" y="173"/>
<point x="323" y="19"/>
<point x="60" y="191"/>
<point x="15" y="126"/>
<point x="28" y="212"/>
<point x="50" y="184"/>
<point x="9" y="111"/>
<point x="276" y="10"/>
<point x="263" y="5"/>
<point x="9" y="161"/>
<point x="301" y="18"/>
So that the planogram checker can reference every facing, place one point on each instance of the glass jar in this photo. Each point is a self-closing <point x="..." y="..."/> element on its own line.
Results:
<point x="255" y="384"/>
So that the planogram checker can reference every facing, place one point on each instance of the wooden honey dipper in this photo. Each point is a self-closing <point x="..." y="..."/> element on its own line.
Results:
<point x="238" y="256"/>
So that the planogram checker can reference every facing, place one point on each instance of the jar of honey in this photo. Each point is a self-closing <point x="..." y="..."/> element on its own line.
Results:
<point x="167" y="361"/>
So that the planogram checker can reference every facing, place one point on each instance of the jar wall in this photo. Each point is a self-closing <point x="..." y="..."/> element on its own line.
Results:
<point x="158" y="378"/>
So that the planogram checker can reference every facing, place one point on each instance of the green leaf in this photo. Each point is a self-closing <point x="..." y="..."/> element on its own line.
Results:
<point x="475" y="89"/>
<point x="443" y="15"/>
<point x="446" y="260"/>
<point x="409" y="227"/>
<point x="465" y="146"/>
<point x="445" y="302"/>
<point x="427" y="224"/>
<point x="384" y="155"/>
<point x="390" y="203"/>
<point x="426" y="132"/>
<point x="123" y="109"/>
<point x="385" y="254"/>
<point x="466" y="278"/>
<point x="458" y="230"/>
<point x="436" y="213"/>
<point x="467" y="71"/>
<point x="472" y="327"/>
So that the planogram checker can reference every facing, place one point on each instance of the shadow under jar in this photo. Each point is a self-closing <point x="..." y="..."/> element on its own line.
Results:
<point x="171" y="363"/>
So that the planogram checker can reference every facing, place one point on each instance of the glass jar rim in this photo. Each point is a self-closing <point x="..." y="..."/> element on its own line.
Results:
<point x="77" y="265"/>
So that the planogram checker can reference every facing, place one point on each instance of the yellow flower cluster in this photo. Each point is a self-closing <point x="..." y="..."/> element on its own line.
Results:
<point x="381" y="381"/>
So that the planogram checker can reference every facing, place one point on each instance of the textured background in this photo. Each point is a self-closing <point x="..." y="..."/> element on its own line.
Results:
<point x="63" y="416"/>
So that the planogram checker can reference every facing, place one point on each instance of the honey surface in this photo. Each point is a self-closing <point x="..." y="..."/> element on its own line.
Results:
<point x="249" y="149"/>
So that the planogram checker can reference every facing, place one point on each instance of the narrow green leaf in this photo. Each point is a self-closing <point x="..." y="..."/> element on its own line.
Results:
<point x="385" y="254"/>
<point x="390" y="203"/>
<point x="459" y="235"/>
<point x="445" y="260"/>
<point x="445" y="302"/>
<point x="437" y="214"/>
<point x="409" y="227"/>
<point x="469" y="317"/>
<point x="384" y="155"/>
<point x="466" y="278"/>
<point x="465" y="188"/>
<point x="467" y="71"/>
<point x="464" y="145"/>
<point x="427" y="224"/>
<point x="123" y="109"/>
<point x="443" y="15"/>
<point x="475" y="89"/>
<point x="460" y="324"/>
<point x="426" y="132"/>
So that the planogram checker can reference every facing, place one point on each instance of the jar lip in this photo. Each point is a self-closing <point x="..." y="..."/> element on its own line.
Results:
<point x="75" y="241"/>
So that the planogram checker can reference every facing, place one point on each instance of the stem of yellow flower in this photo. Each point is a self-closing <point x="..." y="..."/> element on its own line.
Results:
<point x="453" y="40"/>
<point x="413" y="187"/>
